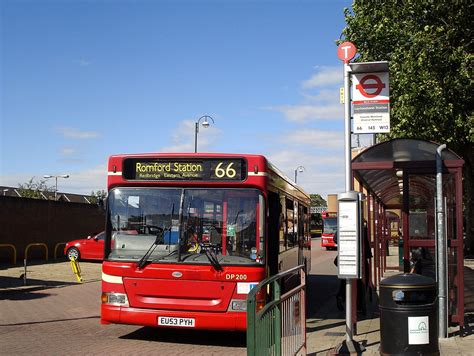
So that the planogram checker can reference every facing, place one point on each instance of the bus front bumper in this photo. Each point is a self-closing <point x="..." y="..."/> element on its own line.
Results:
<point x="111" y="314"/>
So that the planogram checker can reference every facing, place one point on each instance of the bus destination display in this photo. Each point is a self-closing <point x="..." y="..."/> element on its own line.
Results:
<point x="184" y="170"/>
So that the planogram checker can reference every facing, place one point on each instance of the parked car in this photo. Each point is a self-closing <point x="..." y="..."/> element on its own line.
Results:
<point x="90" y="248"/>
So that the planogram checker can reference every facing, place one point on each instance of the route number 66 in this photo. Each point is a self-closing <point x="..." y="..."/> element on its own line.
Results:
<point x="222" y="171"/>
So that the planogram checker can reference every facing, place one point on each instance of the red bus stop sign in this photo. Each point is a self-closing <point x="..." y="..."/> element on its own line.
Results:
<point x="346" y="51"/>
<point x="370" y="86"/>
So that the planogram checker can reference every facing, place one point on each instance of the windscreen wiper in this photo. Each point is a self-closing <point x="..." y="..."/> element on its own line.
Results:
<point x="144" y="259"/>
<point x="159" y="236"/>
<point x="212" y="257"/>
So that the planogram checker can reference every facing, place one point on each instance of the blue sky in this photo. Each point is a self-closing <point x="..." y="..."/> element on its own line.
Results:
<point x="81" y="80"/>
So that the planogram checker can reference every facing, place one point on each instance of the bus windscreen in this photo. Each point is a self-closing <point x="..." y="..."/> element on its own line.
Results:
<point x="185" y="223"/>
<point x="330" y="226"/>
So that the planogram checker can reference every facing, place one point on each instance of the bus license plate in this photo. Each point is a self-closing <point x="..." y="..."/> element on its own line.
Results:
<point x="173" y="321"/>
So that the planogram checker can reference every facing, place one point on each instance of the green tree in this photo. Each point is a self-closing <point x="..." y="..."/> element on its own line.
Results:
<point x="36" y="190"/>
<point x="429" y="46"/>
<point x="97" y="196"/>
<point x="317" y="200"/>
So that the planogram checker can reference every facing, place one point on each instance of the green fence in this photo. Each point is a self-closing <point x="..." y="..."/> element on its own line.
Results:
<point x="276" y="315"/>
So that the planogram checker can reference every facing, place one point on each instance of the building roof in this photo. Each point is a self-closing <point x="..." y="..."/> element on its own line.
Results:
<point x="47" y="195"/>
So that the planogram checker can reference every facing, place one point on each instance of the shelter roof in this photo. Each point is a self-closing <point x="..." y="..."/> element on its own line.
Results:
<point x="381" y="168"/>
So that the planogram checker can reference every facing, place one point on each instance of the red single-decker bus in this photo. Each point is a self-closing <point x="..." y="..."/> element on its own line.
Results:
<point x="188" y="236"/>
<point x="329" y="230"/>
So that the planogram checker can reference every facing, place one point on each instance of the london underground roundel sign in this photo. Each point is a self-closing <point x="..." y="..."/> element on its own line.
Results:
<point x="346" y="51"/>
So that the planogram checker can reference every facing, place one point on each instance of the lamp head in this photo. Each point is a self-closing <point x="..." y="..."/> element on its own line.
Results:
<point x="205" y="123"/>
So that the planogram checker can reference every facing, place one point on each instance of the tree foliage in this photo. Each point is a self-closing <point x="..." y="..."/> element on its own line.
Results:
<point x="429" y="46"/>
<point x="317" y="200"/>
<point x="36" y="190"/>
<point x="97" y="196"/>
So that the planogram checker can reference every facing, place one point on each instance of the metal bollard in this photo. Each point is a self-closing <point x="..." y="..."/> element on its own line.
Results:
<point x="76" y="269"/>
<point x="24" y="272"/>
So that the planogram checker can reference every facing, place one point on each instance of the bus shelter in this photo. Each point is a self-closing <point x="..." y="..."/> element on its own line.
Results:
<point x="398" y="178"/>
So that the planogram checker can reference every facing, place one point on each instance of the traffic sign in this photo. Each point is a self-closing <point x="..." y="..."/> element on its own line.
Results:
<point x="318" y="209"/>
<point x="346" y="51"/>
<point x="373" y="87"/>
<point x="371" y="102"/>
<point x="370" y="86"/>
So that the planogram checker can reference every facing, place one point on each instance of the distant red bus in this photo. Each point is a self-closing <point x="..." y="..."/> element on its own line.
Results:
<point x="329" y="229"/>
<point x="188" y="236"/>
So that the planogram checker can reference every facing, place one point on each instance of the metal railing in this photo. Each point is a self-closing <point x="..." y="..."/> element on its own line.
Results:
<point x="276" y="315"/>
<point x="40" y="244"/>
<point x="56" y="248"/>
<point x="13" y="249"/>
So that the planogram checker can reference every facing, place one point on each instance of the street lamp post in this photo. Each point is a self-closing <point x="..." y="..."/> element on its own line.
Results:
<point x="298" y="169"/>
<point x="204" y="124"/>
<point x="47" y="176"/>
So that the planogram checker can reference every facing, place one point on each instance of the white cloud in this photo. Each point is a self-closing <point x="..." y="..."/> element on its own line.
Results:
<point x="184" y="136"/>
<point x="67" y="152"/>
<point x="83" y="62"/>
<point x="321" y="98"/>
<point x="305" y="113"/>
<point x="319" y="139"/>
<point x="79" y="182"/>
<point x="323" y="174"/>
<point x="70" y="132"/>
<point x="327" y="76"/>
<point x="86" y="181"/>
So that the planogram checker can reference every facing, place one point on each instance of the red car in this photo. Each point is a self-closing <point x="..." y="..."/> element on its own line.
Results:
<point x="91" y="248"/>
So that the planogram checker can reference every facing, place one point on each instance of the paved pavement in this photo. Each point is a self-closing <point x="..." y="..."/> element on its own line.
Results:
<point x="327" y="331"/>
<point x="53" y="314"/>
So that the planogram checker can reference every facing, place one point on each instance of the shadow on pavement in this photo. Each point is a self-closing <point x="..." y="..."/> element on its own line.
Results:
<point x="32" y="263"/>
<point x="14" y="288"/>
<point x="51" y="321"/>
<point x="23" y="294"/>
<point x="322" y="307"/>
<point x="322" y="289"/>
<point x="192" y="337"/>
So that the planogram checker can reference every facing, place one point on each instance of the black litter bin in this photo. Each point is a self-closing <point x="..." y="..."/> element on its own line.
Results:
<point x="408" y="315"/>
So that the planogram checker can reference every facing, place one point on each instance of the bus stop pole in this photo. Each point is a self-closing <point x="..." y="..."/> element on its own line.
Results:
<point x="348" y="186"/>
<point x="442" y="249"/>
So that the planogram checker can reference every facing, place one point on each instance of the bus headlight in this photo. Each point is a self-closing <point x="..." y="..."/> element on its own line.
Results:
<point x="118" y="299"/>
<point x="238" y="305"/>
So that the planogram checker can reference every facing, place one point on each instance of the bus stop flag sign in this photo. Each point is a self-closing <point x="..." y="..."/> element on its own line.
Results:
<point x="346" y="51"/>
<point x="371" y="102"/>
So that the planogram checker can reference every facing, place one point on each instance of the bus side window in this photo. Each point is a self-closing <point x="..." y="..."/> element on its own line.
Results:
<point x="290" y="223"/>
<point x="282" y="224"/>
<point x="273" y="234"/>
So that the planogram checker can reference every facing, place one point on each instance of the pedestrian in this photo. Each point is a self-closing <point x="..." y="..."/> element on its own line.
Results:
<point x="416" y="258"/>
<point x="362" y="288"/>
<point x="363" y="285"/>
<point x="341" y="292"/>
